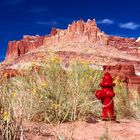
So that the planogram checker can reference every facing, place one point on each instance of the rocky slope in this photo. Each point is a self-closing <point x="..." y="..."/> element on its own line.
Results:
<point x="81" y="40"/>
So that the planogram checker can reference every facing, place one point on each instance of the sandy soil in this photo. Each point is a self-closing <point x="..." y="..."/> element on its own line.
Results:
<point x="83" y="130"/>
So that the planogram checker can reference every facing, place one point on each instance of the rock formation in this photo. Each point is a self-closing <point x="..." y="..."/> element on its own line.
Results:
<point x="27" y="44"/>
<point x="80" y="41"/>
<point x="126" y="73"/>
<point x="77" y="32"/>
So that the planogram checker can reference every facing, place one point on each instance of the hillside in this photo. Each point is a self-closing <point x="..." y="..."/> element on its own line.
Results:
<point x="81" y="40"/>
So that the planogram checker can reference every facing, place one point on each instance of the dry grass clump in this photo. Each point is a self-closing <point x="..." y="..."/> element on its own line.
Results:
<point x="9" y="125"/>
<point x="127" y="101"/>
<point x="52" y="94"/>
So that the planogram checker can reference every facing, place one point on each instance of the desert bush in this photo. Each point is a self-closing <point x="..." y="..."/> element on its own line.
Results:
<point x="127" y="101"/>
<point x="9" y="124"/>
<point x="52" y="94"/>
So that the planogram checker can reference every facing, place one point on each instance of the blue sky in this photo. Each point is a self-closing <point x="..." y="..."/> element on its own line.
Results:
<point x="31" y="17"/>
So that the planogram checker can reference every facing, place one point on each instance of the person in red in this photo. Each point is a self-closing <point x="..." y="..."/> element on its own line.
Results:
<point x="106" y="95"/>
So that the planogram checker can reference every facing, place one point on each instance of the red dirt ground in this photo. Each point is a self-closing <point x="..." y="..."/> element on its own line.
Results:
<point x="81" y="130"/>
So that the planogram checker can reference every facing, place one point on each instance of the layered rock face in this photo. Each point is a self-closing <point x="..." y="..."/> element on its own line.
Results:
<point x="121" y="70"/>
<point x="19" y="48"/>
<point x="129" y="46"/>
<point x="77" y="32"/>
<point x="80" y="41"/>
<point x="126" y="73"/>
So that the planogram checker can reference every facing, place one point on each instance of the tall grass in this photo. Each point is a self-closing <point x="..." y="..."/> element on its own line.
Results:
<point x="9" y="125"/>
<point x="127" y="101"/>
<point x="52" y="94"/>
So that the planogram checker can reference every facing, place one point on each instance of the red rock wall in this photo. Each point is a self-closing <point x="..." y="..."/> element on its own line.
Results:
<point x="126" y="73"/>
<point x="19" y="48"/>
<point x="121" y="70"/>
<point x="76" y="32"/>
<point x="127" y="45"/>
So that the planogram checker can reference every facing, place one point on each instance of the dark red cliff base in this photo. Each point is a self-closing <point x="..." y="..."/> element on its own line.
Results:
<point x="27" y="44"/>
<point x="126" y="73"/>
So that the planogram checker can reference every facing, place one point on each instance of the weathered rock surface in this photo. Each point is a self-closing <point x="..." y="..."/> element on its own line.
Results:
<point x="125" y="73"/>
<point x="80" y="41"/>
<point x="77" y="32"/>
<point x="19" y="48"/>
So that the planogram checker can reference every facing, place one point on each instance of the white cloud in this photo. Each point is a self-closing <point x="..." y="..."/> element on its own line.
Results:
<point x="105" y="21"/>
<point x="129" y="25"/>
<point x="49" y="23"/>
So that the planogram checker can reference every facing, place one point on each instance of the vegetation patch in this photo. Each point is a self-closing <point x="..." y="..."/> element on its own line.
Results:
<point x="53" y="94"/>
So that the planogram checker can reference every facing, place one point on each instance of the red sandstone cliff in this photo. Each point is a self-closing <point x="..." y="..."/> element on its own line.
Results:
<point x="27" y="44"/>
<point x="77" y="32"/>
<point x="80" y="40"/>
